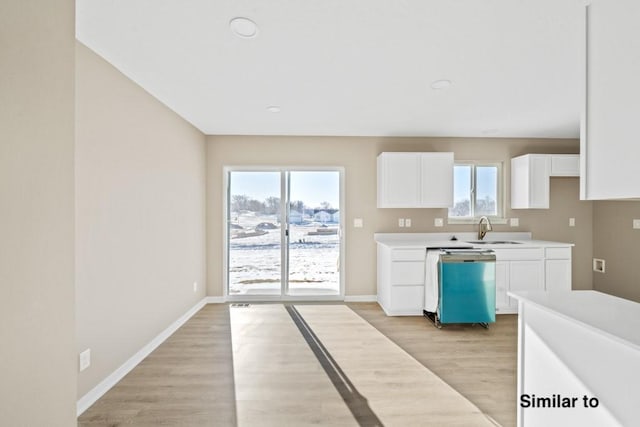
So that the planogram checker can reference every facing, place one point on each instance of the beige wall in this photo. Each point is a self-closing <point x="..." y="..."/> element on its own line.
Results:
<point x="615" y="241"/>
<point x="352" y="153"/>
<point x="140" y="228"/>
<point x="37" y="350"/>
<point x="358" y="157"/>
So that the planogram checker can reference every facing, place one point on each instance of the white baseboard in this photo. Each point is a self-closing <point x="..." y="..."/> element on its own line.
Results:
<point x="105" y="385"/>
<point x="215" y="300"/>
<point x="360" y="298"/>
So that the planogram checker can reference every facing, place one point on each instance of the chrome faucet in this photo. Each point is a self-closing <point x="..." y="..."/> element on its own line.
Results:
<point x="483" y="226"/>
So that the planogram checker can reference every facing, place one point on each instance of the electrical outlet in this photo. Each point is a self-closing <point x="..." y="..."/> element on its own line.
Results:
<point x="438" y="222"/>
<point x="85" y="359"/>
<point x="514" y="222"/>
<point x="407" y="222"/>
<point x="358" y="223"/>
<point x="195" y="286"/>
<point x="636" y="223"/>
<point x="400" y="222"/>
<point x="572" y="222"/>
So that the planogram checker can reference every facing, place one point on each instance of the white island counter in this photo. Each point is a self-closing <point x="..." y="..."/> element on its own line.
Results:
<point x="578" y="359"/>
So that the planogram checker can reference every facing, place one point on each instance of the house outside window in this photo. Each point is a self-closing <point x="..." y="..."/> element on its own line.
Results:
<point x="477" y="191"/>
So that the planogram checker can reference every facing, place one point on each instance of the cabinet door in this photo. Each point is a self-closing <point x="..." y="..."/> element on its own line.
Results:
<point x="398" y="180"/>
<point x="609" y="134"/>
<point x="565" y="165"/>
<point x="407" y="273"/>
<point x="407" y="300"/>
<point x="558" y="274"/>
<point x="436" y="180"/>
<point x="502" y="286"/>
<point x="525" y="276"/>
<point x="530" y="181"/>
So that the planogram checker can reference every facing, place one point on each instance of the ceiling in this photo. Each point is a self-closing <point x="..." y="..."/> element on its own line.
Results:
<point x="356" y="68"/>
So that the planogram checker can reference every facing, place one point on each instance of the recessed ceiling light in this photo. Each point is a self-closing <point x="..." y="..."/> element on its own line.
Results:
<point x="440" y="84"/>
<point x="273" y="109"/>
<point x="243" y="27"/>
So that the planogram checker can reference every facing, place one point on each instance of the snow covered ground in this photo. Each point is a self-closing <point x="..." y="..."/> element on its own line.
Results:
<point x="254" y="262"/>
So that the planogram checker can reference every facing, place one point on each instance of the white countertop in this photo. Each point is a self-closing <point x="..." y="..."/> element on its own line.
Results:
<point x="615" y="317"/>
<point x="438" y="240"/>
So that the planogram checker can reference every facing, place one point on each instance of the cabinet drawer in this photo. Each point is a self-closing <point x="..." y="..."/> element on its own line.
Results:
<point x="557" y="253"/>
<point x="518" y="254"/>
<point x="408" y="254"/>
<point x="407" y="298"/>
<point x="407" y="273"/>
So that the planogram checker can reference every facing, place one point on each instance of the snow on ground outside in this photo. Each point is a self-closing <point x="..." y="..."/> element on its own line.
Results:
<point x="254" y="262"/>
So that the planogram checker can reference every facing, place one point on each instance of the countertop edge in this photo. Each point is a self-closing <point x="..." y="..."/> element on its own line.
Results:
<point x="528" y="297"/>
<point x="395" y="244"/>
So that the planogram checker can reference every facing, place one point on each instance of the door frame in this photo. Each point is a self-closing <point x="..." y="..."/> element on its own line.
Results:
<point x="225" y="233"/>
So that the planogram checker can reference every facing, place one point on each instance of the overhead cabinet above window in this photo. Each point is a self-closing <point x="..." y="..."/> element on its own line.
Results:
<point x="415" y="180"/>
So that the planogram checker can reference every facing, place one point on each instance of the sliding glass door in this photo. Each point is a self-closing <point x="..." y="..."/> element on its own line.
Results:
<point x="314" y="233"/>
<point x="283" y="233"/>
<point x="254" y="233"/>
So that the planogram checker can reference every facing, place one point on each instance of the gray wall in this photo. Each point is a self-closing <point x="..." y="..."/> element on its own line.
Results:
<point x="358" y="156"/>
<point x="140" y="219"/>
<point x="615" y="241"/>
<point x="38" y="364"/>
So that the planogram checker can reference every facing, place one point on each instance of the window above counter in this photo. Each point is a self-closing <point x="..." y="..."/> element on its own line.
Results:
<point x="477" y="192"/>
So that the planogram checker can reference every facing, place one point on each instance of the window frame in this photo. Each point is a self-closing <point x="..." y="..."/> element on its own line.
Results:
<point x="495" y="219"/>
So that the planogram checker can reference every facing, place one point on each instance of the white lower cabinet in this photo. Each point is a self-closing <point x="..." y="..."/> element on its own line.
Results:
<point x="406" y="300"/>
<point x="557" y="269"/>
<point x="401" y="275"/>
<point x="502" y="287"/>
<point x="558" y="274"/>
<point x="525" y="276"/>
<point x="517" y="269"/>
<point x="520" y="275"/>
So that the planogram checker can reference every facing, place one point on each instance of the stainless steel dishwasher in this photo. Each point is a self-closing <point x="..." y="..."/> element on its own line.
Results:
<point x="466" y="287"/>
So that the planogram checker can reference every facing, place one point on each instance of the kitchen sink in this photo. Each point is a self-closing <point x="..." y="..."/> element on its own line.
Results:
<point x="494" y="242"/>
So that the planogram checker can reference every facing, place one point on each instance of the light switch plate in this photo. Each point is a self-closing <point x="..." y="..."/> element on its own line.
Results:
<point x="514" y="222"/>
<point x="400" y="222"/>
<point x="438" y="222"/>
<point x="636" y="223"/>
<point x="572" y="222"/>
<point x="358" y="222"/>
<point x="407" y="222"/>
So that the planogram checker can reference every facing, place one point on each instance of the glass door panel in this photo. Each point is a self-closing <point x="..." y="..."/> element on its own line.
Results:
<point x="314" y="237"/>
<point x="254" y="233"/>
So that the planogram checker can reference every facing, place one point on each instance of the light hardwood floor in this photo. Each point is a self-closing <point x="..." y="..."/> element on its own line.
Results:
<point x="189" y="379"/>
<point x="479" y="363"/>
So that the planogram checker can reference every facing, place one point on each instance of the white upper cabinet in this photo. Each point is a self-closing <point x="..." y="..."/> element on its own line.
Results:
<point x="398" y="180"/>
<point x="530" y="177"/>
<point x="530" y="181"/>
<point x="565" y="165"/>
<point x="609" y="136"/>
<point x="415" y="180"/>
<point x="436" y="170"/>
